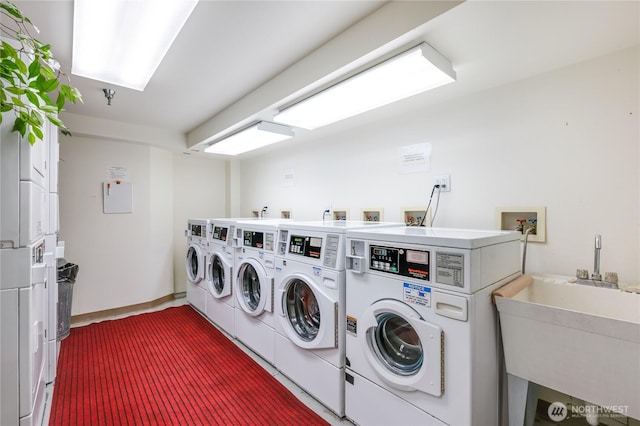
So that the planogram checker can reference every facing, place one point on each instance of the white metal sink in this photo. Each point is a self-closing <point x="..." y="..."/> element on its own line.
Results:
<point x="580" y="340"/>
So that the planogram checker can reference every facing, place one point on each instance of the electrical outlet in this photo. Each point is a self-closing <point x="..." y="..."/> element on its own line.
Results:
<point x="444" y="181"/>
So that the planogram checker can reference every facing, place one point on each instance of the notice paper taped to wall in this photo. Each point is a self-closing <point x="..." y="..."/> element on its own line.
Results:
<point x="414" y="158"/>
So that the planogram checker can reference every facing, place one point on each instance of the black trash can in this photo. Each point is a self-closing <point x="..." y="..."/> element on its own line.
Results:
<point x="67" y="273"/>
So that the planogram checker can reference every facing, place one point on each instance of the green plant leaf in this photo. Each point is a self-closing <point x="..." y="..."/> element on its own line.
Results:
<point x="8" y="51"/>
<point x="36" y="118"/>
<point x="21" y="65"/>
<point x="34" y="69"/>
<point x="32" y="138"/>
<point x="17" y="101"/>
<point x="60" y="101"/>
<point x="11" y="10"/>
<point x="20" y="126"/>
<point x="15" y="90"/>
<point x="76" y="95"/>
<point x="33" y="98"/>
<point x="9" y="64"/>
<point x="38" y="132"/>
<point x="47" y="100"/>
<point x="55" y="120"/>
<point x="49" y="108"/>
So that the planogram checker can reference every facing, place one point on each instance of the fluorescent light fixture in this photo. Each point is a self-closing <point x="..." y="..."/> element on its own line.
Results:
<point x="411" y="72"/>
<point x="123" y="41"/>
<point x="253" y="137"/>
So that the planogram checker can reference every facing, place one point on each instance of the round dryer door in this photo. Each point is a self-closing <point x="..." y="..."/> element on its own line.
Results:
<point x="308" y="315"/>
<point x="253" y="288"/>
<point x="219" y="274"/>
<point x="195" y="263"/>
<point x="403" y="349"/>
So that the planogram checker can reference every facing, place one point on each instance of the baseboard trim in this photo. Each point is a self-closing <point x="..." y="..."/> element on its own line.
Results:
<point x="108" y="313"/>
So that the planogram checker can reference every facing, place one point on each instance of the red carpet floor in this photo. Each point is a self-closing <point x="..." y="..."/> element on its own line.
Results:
<point x="170" y="367"/>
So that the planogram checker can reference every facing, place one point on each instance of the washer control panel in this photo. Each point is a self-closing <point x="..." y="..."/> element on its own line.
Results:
<point x="197" y="230"/>
<point x="305" y="246"/>
<point x="220" y="233"/>
<point x="398" y="261"/>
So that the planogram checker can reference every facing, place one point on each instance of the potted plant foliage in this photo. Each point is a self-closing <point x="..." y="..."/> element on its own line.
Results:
<point x="34" y="88"/>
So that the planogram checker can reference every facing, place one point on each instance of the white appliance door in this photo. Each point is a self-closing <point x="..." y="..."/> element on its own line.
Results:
<point x="308" y="315"/>
<point x="195" y="263"/>
<point x="219" y="276"/>
<point x="253" y="288"/>
<point x="403" y="349"/>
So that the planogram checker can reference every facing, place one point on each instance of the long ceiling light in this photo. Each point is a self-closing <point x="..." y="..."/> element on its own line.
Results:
<point x="253" y="137"/>
<point x="123" y="41"/>
<point x="411" y="72"/>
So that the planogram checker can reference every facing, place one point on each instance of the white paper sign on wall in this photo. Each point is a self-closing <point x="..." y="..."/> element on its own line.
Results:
<point x="414" y="158"/>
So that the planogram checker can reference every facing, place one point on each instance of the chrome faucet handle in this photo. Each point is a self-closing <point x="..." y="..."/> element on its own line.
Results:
<point x="582" y="274"/>
<point x="611" y="277"/>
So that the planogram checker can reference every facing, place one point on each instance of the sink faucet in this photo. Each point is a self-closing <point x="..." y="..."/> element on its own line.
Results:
<point x="610" y="278"/>
<point x="596" y="259"/>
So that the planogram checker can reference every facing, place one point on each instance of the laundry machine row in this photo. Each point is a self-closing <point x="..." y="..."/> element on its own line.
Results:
<point x="422" y="335"/>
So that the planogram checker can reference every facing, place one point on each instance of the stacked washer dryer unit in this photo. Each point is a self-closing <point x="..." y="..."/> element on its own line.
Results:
<point x="195" y="261"/>
<point x="24" y="219"/>
<point x="253" y="285"/>
<point x="422" y="335"/>
<point x="310" y="306"/>
<point x="219" y="273"/>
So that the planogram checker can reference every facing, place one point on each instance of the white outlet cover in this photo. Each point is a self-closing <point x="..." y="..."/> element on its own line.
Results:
<point x="444" y="181"/>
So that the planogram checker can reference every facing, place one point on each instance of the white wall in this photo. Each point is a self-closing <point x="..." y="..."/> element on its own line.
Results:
<point x="124" y="259"/>
<point x="555" y="140"/>
<point x="199" y="187"/>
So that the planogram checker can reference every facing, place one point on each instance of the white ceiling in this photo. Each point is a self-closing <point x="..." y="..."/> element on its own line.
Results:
<point x="228" y="49"/>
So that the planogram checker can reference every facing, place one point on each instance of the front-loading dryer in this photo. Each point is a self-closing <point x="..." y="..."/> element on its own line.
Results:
<point x="195" y="262"/>
<point x="219" y="274"/>
<point x="253" y="285"/>
<point x="422" y="334"/>
<point x="309" y="306"/>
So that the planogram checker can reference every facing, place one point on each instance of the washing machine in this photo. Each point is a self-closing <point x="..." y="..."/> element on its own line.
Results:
<point x="22" y="334"/>
<point x="219" y="273"/>
<point x="422" y="335"/>
<point x="309" y="306"/>
<point x="253" y="285"/>
<point x="197" y="248"/>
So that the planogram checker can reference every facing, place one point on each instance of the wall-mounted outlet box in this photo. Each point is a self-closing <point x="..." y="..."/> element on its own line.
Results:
<point x="521" y="218"/>
<point x="444" y="181"/>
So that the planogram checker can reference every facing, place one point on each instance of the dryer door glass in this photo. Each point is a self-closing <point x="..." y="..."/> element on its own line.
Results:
<point x="249" y="286"/>
<point x="303" y="310"/>
<point x="193" y="264"/>
<point x="216" y="272"/>
<point x="396" y="344"/>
